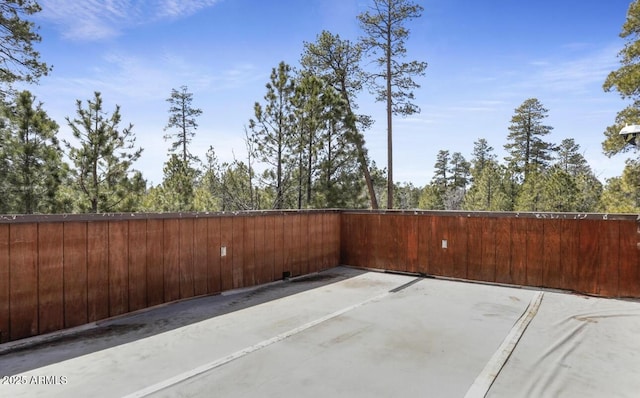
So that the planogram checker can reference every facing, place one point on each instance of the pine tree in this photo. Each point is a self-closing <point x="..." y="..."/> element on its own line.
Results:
<point x="385" y="31"/>
<point x="337" y="61"/>
<point x="34" y="167"/>
<point x="528" y="152"/>
<point x="487" y="191"/>
<point x="272" y="132"/>
<point x="103" y="160"/>
<point x="182" y="120"/>
<point x="19" y="61"/>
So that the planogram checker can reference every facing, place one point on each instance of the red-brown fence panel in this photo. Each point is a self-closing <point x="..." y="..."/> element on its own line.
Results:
<point x="424" y="245"/>
<point x="213" y="256"/>
<point x="269" y="249"/>
<point x="458" y="251"/>
<point x="519" y="242"/>
<point x="570" y="258"/>
<point x="535" y="253"/>
<point x="503" y="250"/>
<point x="75" y="273"/>
<point x="226" y="253"/>
<point x="200" y="257"/>
<point x="552" y="273"/>
<point x="261" y="272"/>
<point x="237" y="233"/>
<point x="489" y="245"/>
<point x="23" y="288"/>
<point x="97" y="270"/>
<point x="50" y="277"/>
<point x="186" y="258"/>
<point x="249" y="251"/>
<point x="279" y="251"/>
<point x="4" y="283"/>
<point x="155" y="262"/>
<point x="609" y="259"/>
<point x="629" y="279"/>
<point x="137" y="261"/>
<point x="588" y="262"/>
<point x="171" y="259"/>
<point x="476" y="269"/>
<point x="118" y="267"/>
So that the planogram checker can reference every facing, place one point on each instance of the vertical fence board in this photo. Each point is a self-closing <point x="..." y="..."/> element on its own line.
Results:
<point x="552" y="274"/>
<point x="23" y="289"/>
<point x="50" y="277"/>
<point x="303" y="248"/>
<point x="226" y="262"/>
<point x="535" y="253"/>
<point x="316" y="242"/>
<point x="279" y="254"/>
<point x="439" y="232"/>
<point x="249" y="251"/>
<point x="137" y="264"/>
<point x="609" y="259"/>
<point x="155" y="272"/>
<point x="488" y="254"/>
<point x="237" y="232"/>
<point x="570" y="254"/>
<point x="200" y="256"/>
<point x="289" y="244"/>
<point x="587" y="265"/>
<point x="186" y="258"/>
<point x="118" y="267"/>
<point x="269" y="252"/>
<point x="629" y="279"/>
<point x="475" y="268"/>
<point x="503" y="251"/>
<point x="213" y="266"/>
<point x="424" y="247"/>
<point x="378" y="242"/>
<point x="411" y="223"/>
<point x="171" y="259"/>
<point x="262" y="274"/>
<point x="519" y="250"/>
<point x="97" y="270"/>
<point x="75" y="273"/>
<point x="348" y="250"/>
<point x="459" y="248"/>
<point x="4" y="283"/>
<point x="335" y="241"/>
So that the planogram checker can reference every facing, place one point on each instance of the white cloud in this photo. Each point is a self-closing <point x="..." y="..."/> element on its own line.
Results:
<point x="89" y="20"/>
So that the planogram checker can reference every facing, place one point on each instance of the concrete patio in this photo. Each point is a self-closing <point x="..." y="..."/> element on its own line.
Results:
<point x="344" y="332"/>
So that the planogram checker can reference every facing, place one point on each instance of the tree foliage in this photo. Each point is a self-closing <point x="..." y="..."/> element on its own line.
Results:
<point x="32" y="158"/>
<point x="337" y="62"/>
<point x="19" y="61"/>
<point x="182" y="123"/>
<point x="528" y="152"/>
<point x="385" y="35"/>
<point x="273" y="131"/>
<point x="103" y="159"/>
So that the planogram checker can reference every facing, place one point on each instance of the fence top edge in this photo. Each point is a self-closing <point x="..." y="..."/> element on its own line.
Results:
<point x="43" y="218"/>
<point x="504" y="214"/>
<point x="89" y="217"/>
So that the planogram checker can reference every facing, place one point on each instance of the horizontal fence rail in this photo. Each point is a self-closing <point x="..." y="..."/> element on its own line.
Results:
<point x="58" y="272"/>
<point x="588" y="253"/>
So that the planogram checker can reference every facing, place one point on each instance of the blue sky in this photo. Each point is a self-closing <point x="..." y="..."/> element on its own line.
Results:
<point x="485" y="59"/>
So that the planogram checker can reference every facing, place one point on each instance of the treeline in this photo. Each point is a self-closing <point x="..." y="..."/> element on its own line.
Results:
<point x="307" y="143"/>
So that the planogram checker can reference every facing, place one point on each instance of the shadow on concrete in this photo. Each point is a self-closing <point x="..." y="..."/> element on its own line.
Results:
<point x="27" y="354"/>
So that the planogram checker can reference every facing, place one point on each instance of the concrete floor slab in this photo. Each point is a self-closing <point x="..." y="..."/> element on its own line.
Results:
<point x="348" y="333"/>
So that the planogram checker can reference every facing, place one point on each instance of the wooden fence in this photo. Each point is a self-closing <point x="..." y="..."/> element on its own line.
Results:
<point x="593" y="254"/>
<point x="58" y="272"/>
